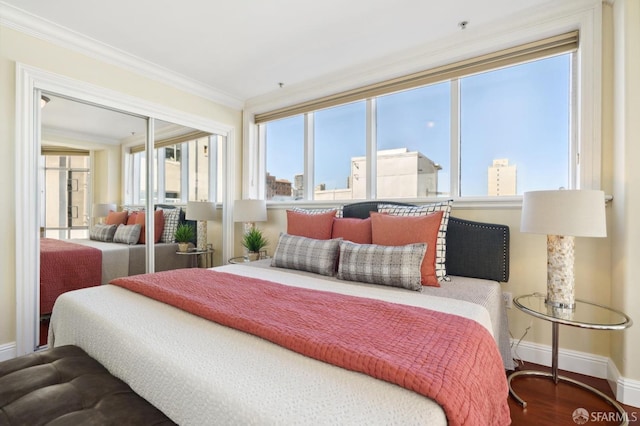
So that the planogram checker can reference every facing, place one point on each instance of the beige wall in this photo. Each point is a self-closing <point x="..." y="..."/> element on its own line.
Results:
<point x="18" y="47"/>
<point x="624" y="108"/>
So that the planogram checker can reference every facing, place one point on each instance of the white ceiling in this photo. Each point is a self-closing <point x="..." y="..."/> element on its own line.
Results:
<point x="244" y="48"/>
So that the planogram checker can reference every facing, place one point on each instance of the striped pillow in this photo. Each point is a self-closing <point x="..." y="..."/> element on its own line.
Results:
<point x="396" y="266"/>
<point x="441" y="242"/>
<point x="127" y="234"/>
<point x="307" y="254"/>
<point x="102" y="232"/>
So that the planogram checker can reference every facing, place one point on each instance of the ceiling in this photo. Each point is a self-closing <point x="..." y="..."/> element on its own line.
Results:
<point x="246" y="48"/>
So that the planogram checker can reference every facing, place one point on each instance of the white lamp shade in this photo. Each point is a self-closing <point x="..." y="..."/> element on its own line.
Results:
<point x="200" y="210"/>
<point x="250" y="211"/>
<point x="577" y="213"/>
<point x="102" y="210"/>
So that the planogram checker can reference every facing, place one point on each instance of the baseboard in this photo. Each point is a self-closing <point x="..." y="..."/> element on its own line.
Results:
<point x="627" y="391"/>
<point x="7" y="351"/>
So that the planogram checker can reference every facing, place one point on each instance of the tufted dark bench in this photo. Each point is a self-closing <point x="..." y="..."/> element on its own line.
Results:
<point x="65" y="386"/>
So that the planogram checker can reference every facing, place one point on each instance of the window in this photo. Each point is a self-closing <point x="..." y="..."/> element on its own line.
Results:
<point x="514" y="124"/>
<point x="66" y="196"/>
<point x="339" y="150"/>
<point x="188" y="170"/>
<point x="413" y="134"/>
<point x="285" y="159"/>
<point x="494" y="133"/>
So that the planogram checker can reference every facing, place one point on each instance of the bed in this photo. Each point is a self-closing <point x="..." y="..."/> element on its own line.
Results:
<point x="199" y="371"/>
<point x="71" y="264"/>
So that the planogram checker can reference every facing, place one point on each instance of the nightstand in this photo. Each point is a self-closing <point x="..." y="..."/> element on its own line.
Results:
<point x="206" y="255"/>
<point x="584" y="315"/>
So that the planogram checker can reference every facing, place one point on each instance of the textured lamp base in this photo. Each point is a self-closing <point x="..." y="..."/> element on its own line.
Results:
<point x="202" y="235"/>
<point x="560" y="278"/>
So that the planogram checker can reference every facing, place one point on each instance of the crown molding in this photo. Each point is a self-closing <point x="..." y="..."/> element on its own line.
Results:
<point x="35" y="26"/>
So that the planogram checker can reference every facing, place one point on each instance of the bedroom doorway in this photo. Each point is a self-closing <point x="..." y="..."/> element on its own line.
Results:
<point x="31" y="84"/>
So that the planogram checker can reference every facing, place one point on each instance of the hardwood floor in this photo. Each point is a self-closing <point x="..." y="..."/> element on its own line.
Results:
<point x="553" y="405"/>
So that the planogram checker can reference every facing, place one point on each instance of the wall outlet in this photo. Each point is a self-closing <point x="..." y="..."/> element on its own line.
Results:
<point x="507" y="299"/>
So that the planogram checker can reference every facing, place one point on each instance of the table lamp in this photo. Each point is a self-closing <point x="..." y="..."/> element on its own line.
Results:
<point x="563" y="215"/>
<point x="249" y="212"/>
<point x="102" y="210"/>
<point x="201" y="211"/>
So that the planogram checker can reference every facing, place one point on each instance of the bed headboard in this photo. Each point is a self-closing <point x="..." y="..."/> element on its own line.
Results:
<point x="474" y="249"/>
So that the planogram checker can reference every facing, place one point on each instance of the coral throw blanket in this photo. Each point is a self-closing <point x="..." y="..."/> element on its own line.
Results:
<point x="64" y="267"/>
<point x="450" y="359"/>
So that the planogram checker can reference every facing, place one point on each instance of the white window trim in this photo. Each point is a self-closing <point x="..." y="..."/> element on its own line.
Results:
<point x="585" y="18"/>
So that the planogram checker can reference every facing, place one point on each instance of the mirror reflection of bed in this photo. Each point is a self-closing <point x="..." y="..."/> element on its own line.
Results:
<point x="82" y="162"/>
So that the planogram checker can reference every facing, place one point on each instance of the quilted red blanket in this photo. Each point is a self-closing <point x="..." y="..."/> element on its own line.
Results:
<point x="450" y="359"/>
<point x="64" y="267"/>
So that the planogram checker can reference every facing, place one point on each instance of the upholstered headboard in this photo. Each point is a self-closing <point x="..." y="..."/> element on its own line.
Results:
<point x="474" y="249"/>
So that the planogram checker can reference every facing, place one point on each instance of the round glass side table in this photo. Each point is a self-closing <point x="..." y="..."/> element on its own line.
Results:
<point x="584" y="315"/>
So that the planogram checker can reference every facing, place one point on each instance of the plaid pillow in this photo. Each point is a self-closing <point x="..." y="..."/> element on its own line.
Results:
<point x="307" y="254"/>
<point x="338" y="210"/>
<point x="396" y="266"/>
<point x="171" y="222"/>
<point x="127" y="234"/>
<point x="441" y="242"/>
<point x="102" y="232"/>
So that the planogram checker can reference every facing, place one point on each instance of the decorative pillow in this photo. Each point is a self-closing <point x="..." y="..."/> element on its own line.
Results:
<point x="388" y="230"/>
<point x="352" y="229"/>
<point x="127" y="234"/>
<point x="441" y="242"/>
<point x="306" y="254"/>
<point x="171" y="222"/>
<point x="338" y="210"/>
<point x="158" y="218"/>
<point x="132" y="219"/>
<point x="396" y="266"/>
<point x="102" y="232"/>
<point x="310" y="225"/>
<point x="116" y="218"/>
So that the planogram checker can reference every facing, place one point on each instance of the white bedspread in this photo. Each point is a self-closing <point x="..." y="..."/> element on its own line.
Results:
<point x="115" y="258"/>
<point x="198" y="372"/>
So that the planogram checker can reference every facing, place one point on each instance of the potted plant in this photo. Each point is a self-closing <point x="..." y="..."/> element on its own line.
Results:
<point x="184" y="235"/>
<point x="254" y="242"/>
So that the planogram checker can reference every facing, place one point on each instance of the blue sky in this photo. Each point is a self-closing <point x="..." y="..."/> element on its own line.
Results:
<point x="520" y="113"/>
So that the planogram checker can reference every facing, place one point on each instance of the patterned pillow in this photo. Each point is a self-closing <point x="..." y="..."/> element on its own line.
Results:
<point x="102" y="232"/>
<point x="338" y="210"/>
<point x="307" y="254"/>
<point x="396" y="266"/>
<point x="171" y="222"/>
<point x="441" y="242"/>
<point x="127" y="234"/>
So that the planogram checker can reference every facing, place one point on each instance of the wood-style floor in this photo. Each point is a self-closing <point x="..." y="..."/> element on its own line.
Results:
<point x="553" y="405"/>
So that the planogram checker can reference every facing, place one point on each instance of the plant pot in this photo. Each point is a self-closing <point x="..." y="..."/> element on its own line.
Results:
<point x="183" y="247"/>
<point x="253" y="255"/>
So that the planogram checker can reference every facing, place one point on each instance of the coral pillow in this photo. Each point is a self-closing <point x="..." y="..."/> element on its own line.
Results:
<point x="316" y="226"/>
<point x="352" y="229"/>
<point x="158" y="217"/>
<point x="132" y="219"/>
<point x="388" y="230"/>
<point x="116" y="218"/>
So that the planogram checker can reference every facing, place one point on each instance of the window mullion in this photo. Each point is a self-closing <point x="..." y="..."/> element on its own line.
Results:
<point x="371" y="150"/>
<point x="308" y="156"/>
<point x="454" y="176"/>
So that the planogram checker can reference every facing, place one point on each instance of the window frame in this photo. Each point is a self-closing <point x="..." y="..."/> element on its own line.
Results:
<point x="454" y="141"/>
<point x="585" y="127"/>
